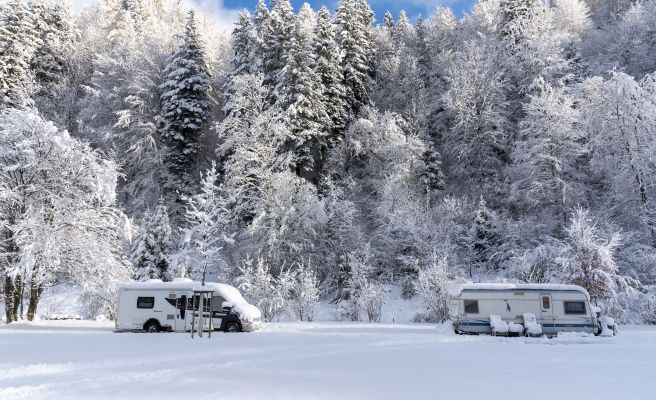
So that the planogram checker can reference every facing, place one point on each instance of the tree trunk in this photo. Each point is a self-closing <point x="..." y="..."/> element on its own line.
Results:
<point x="35" y="294"/>
<point x="13" y="291"/>
<point x="17" y="296"/>
<point x="9" y="299"/>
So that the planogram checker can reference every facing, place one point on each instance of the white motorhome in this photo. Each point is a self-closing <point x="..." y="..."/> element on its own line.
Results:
<point x="156" y="306"/>
<point x="558" y="308"/>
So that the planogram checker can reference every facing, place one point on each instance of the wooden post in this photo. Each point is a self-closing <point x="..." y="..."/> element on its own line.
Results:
<point x="209" y="331"/>
<point x="193" y="317"/>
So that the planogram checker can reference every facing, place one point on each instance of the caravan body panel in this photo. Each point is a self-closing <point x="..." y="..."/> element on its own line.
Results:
<point x="558" y="308"/>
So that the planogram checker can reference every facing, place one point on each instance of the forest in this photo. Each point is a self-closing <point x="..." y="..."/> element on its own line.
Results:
<point x="328" y="154"/>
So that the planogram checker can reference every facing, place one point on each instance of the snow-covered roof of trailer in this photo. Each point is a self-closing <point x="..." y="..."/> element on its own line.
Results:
<point x="177" y="283"/>
<point x="455" y="290"/>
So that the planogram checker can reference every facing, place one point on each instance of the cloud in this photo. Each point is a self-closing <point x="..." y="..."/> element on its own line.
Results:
<point x="223" y="16"/>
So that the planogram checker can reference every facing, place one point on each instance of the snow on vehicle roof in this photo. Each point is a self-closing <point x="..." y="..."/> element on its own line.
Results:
<point x="455" y="290"/>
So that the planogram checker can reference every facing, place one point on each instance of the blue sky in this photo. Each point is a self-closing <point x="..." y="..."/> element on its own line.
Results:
<point x="412" y="7"/>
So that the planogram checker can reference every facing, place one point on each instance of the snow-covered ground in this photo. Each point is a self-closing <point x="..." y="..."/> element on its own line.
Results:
<point x="86" y="360"/>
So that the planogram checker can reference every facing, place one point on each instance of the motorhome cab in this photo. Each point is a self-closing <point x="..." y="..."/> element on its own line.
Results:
<point x="557" y="308"/>
<point x="155" y="306"/>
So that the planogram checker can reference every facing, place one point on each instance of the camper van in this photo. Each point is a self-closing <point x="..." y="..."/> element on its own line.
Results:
<point x="474" y="309"/>
<point x="155" y="306"/>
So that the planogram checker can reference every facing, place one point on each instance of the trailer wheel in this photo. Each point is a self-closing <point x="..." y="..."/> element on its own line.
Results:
<point x="152" y="326"/>
<point x="232" y="327"/>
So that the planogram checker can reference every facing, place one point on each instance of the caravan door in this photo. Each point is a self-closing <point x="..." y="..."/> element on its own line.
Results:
<point x="182" y="316"/>
<point x="547" y="314"/>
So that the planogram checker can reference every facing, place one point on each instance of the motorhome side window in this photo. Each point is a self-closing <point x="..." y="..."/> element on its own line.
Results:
<point x="145" y="302"/>
<point x="574" y="307"/>
<point x="471" y="306"/>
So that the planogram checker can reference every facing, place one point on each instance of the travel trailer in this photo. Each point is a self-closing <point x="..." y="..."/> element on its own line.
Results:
<point x="155" y="306"/>
<point x="474" y="309"/>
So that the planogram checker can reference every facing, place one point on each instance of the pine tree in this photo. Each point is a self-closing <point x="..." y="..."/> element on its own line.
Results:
<point x="278" y="42"/>
<point x="242" y="45"/>
<point x="388" y="21"/>
<point x="328" y="67"/>
<point x="432" y="177"/>
<point x="422" y="50"/>
<point x="51" y="63"/>
<point x="483" y="236"/>
<point x="354" y="37"/>
<point x="18" y="39"/>
<point x="185" y="106"/>
<point x="403" y="32"/>
<point x="301" y="96"/>
<point x="261" y="26"/>
<point x="152" y="247"/>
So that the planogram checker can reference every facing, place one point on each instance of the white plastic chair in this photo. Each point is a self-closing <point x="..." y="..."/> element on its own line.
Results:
<point x="499" y="326"/>
<point x="514" y="328"/>
<point x="531" y="325"/>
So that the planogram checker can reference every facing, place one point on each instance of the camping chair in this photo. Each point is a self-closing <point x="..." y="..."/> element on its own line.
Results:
<point x="533" y="329"/>
<point x="499" y="326"/>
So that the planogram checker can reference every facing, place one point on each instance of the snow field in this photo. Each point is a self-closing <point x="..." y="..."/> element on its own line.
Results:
<point x="85" y="360"/>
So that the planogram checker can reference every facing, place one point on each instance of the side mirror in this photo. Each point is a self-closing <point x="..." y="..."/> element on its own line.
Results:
<point x="227" y="306"/>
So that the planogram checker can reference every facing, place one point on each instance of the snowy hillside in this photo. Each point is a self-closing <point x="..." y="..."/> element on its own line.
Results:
<point x="80" y="360"/>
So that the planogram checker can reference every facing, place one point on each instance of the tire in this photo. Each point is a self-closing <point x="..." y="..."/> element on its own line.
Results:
<point x="232" y="327"/>
<point x="152" y="327"/>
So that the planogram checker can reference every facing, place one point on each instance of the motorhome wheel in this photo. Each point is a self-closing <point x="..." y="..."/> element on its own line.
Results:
<point x="151" y="326"/>
<point x="232" y="327"/>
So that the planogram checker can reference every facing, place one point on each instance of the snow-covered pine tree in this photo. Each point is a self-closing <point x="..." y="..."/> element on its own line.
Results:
<point x="185" y="107"/>
<point x="278" y="42"/>
<point x="432" y="176"/>
<point x="403" y="32"/>
<point x="354" y="37"/>
<point x="300" y="95"/>
<point x="388" y="21"/>
<point x="18" y="41"/>
<point x="484" y="237"/>
<point x="261" y="21"/>
<point x="422" y="50"/>
<point x="51" y="63"/>
<point x="152" y="247"/>
<point x="327" y="66"/>
<point x="242" y="45"/>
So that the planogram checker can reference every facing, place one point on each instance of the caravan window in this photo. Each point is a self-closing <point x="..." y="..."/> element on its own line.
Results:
<point x="574" y="307"/>
<point x="471" y="306"/>
<point x="546" y="304"/>
<point x="145" y="302"/>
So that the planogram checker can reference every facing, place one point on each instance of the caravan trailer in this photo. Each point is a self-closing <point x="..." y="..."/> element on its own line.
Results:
<point x="155" y="306"/>
<point x="557" y="308"/>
